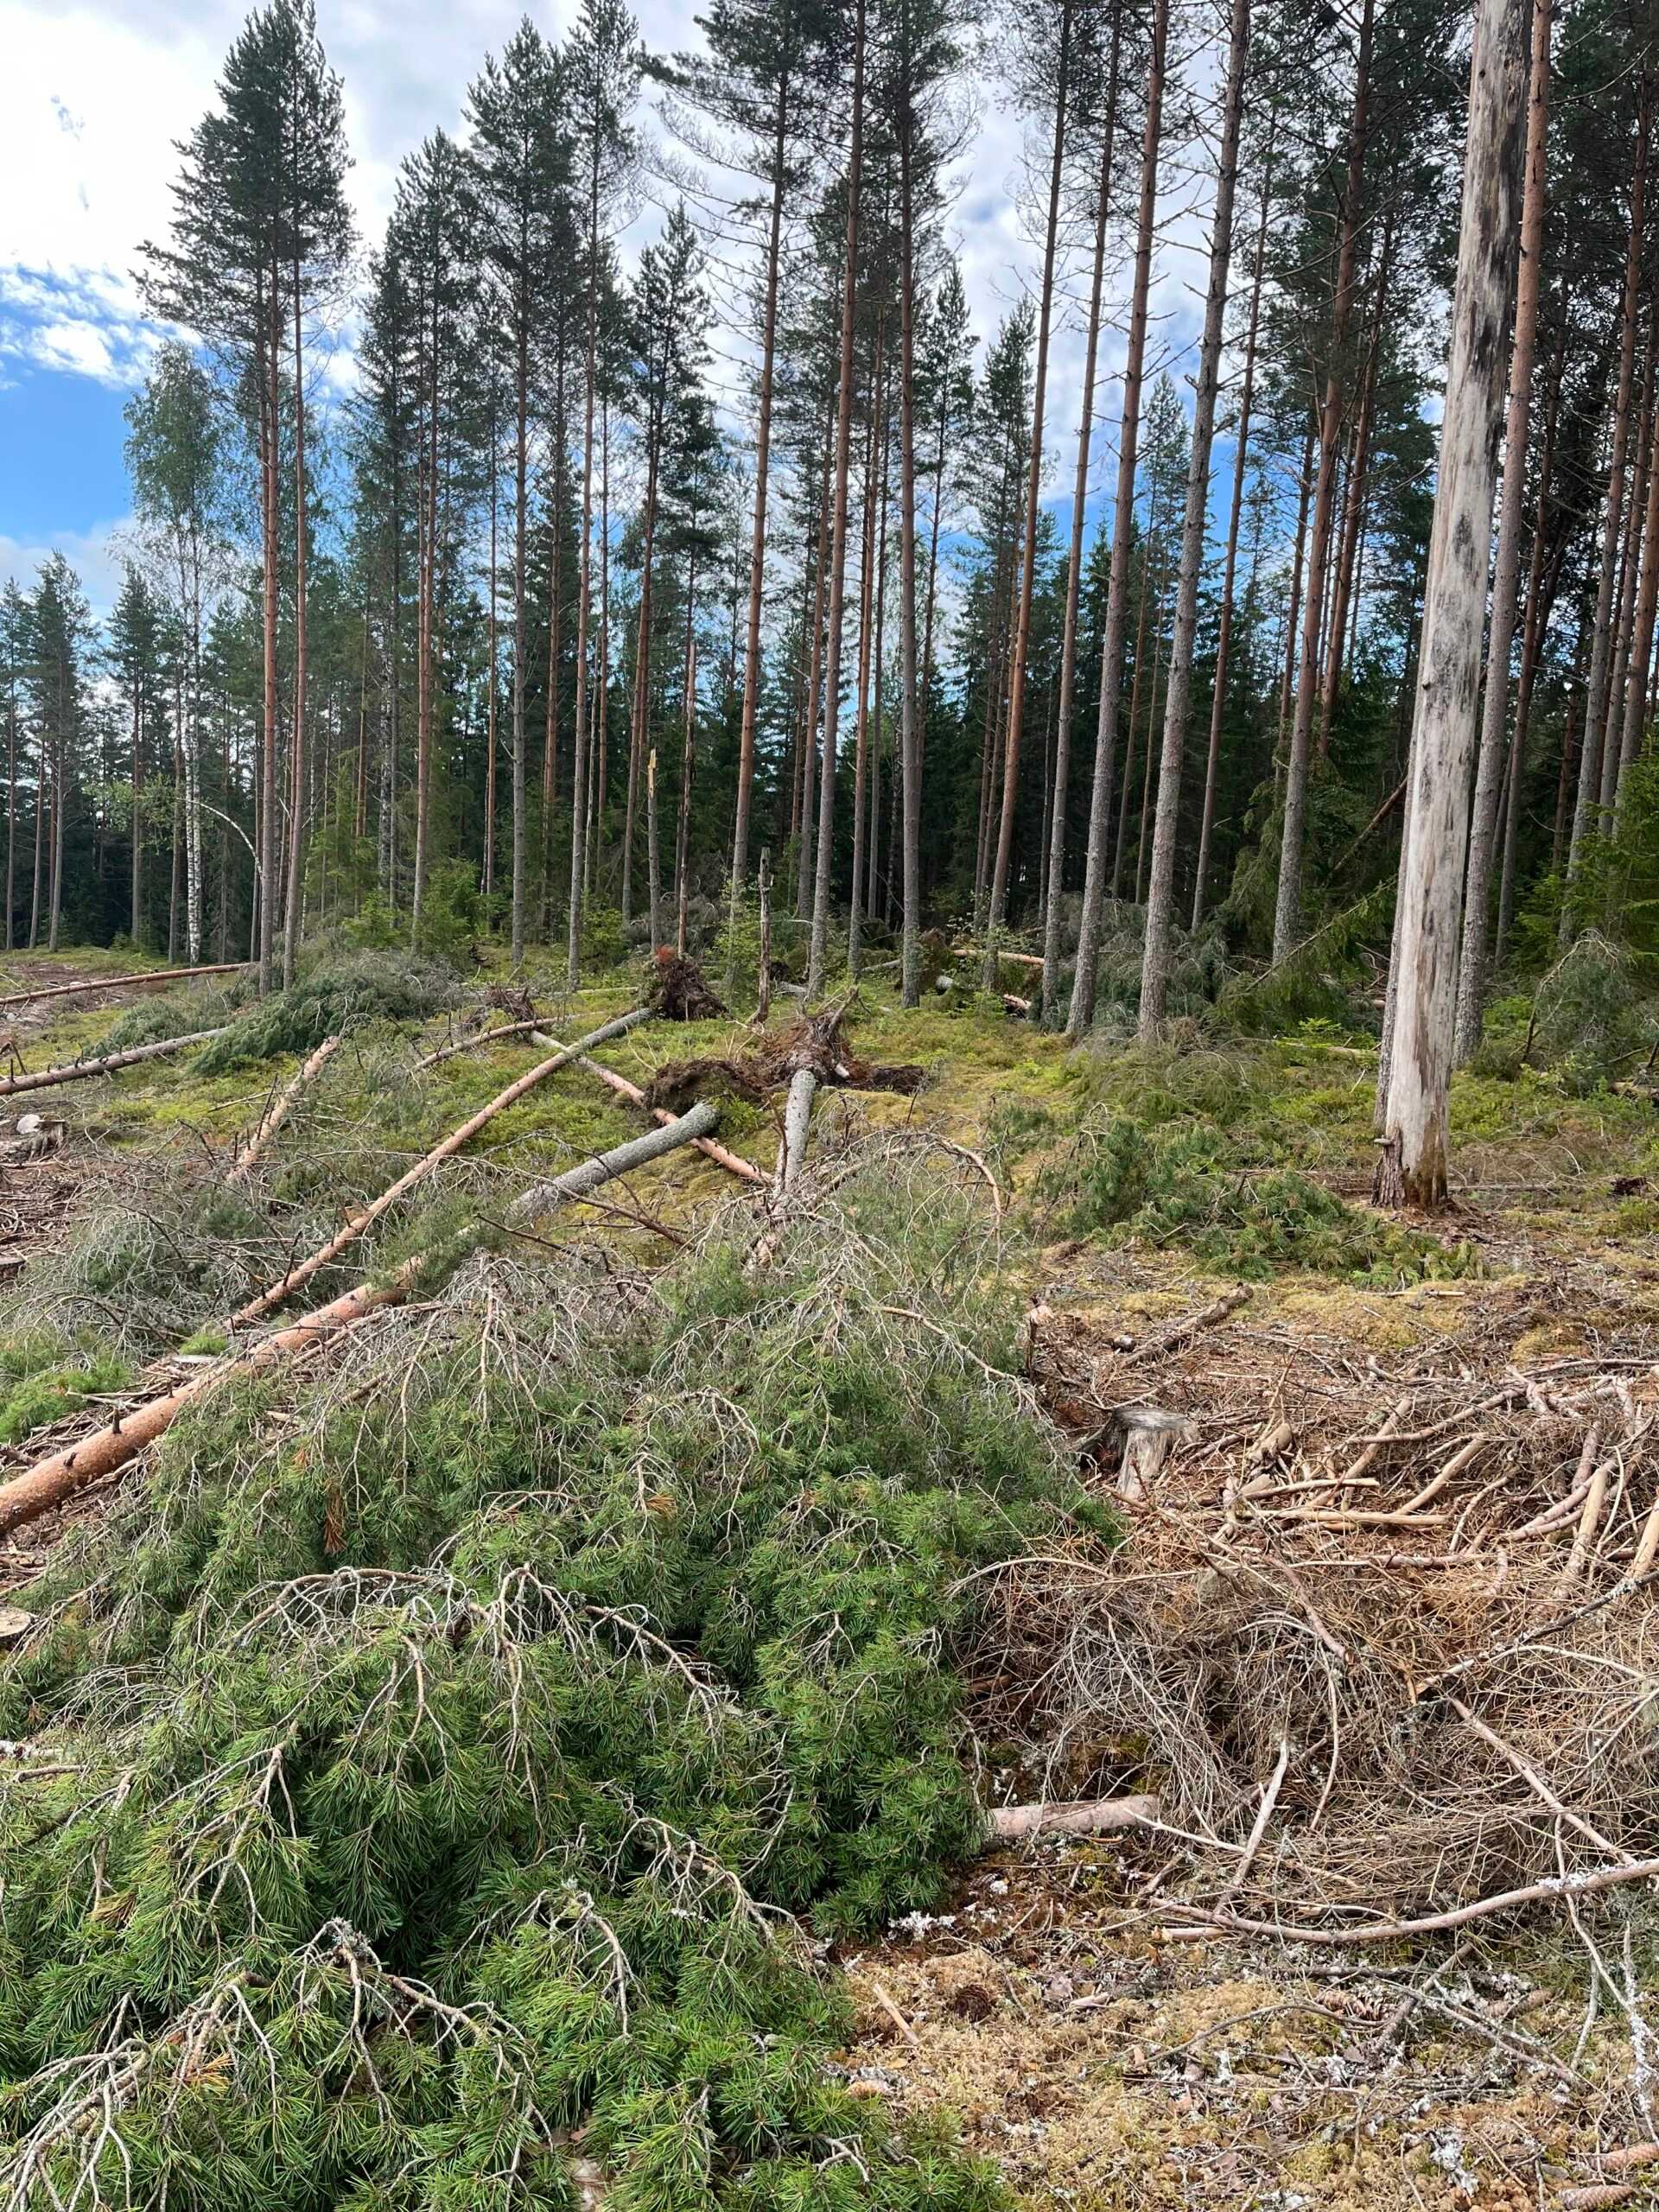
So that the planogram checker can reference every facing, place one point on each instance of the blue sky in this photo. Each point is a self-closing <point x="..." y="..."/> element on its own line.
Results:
<point x="91" y="101"/>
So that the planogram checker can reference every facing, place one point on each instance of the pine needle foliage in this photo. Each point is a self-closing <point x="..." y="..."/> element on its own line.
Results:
<point x="345" y="992"/>
<point x="450" y="1755"/>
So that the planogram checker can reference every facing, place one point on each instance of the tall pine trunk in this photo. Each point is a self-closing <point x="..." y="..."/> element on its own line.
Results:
<point x="296" y="803"/>
<point x="1287" y="910"/>
<point x="1589" y="788"/>
<point x="585" y="571"/>
<point x="838" y="549"/>
<point x="1229" y="572"/>
<point x="1057" y="841"/>
<point x="1161" y="894"/>
<point x="998" y="909"/>
<point x="910" y="707"/>
<point x="1111" y="677"/>
<point x="758" y="536"/>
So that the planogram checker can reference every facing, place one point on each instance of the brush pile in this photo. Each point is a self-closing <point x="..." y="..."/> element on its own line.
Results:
<point x="1390" y="1644"/>
<point x="408" y="1798"/>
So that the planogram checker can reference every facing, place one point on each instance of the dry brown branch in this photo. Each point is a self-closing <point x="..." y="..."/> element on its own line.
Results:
<point x="282" y="1107"/>
<point x="1553" y="1887"/>
<point x="1084" y="1817"/>
<point x="1264" y="1813"/>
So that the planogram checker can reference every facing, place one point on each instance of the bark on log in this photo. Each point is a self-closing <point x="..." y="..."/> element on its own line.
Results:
<point x="120" y="982"/>
<point x="621" y="1160"/>
<point x="26" y="1497"/>
<point x="284" y="1107"/>
<point x="111" y="1062"/>
<point x="1080" y="1816"/>
<point x="303" y="1271"/>
<point x="798" y="1112"/>
<point x="732" y="1161"/>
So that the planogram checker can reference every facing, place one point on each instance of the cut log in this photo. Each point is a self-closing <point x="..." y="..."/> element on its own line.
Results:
<point x="1149" y="1434"/>
<point x="282" y="1108"/>
<point x="303" y="1271"/>
<point x="120" y="982"/>
<point x="797" y="1113"/>
<point x="80" y="1071"/>
<point x="48" y="1483"/>
<point x="732" y="1161"/>
<point x="621" y="1160"/>
<point x="1074" y="1816"/>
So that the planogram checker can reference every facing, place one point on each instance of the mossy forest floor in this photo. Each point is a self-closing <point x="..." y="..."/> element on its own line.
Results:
<point x="532" y="1754"/>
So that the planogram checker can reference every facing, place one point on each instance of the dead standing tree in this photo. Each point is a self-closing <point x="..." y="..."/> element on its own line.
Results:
<point x="1412" y="1166"/>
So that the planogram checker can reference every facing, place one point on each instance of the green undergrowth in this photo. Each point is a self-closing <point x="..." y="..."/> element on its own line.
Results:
<point x="450" y="1752"/>
<point x="176" y="1013"/>
<point x="40" y="1385"/>
<point x="1217" y="1152"/>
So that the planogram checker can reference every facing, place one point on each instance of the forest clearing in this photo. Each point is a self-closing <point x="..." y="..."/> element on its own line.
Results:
<point x="550" y="1726"/>
<point x="829" y="1107"/>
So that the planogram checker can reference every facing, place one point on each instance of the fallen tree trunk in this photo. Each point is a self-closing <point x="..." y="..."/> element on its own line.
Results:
<point x="477" y="1043"/>
<point x="26" y="1497"/>
<point x="278" y="1113"/>
<point x="1078" y="1816"/>
<point x="120" y="982"/>
<point x="621" y="1160"/>
<point x="80" y="1071"/>
<point x="797" y="1113"/>
<point x="733" y="1162"/>
<point x="303" y="1271"/>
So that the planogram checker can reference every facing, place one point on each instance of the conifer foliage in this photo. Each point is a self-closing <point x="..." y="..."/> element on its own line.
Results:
<point x="431" y="1790"/>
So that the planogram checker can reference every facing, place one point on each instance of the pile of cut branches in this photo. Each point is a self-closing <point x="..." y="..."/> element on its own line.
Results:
<point x="407" y="1797"/>
<point x="1391" y="1648"/>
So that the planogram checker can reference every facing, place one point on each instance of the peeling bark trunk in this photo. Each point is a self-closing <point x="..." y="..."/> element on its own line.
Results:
<point x="1413" y="1164"/>
<point x="1473" y="975"/>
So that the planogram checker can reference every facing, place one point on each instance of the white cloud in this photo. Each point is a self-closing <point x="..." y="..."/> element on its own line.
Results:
<point x="98" y="555"/>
